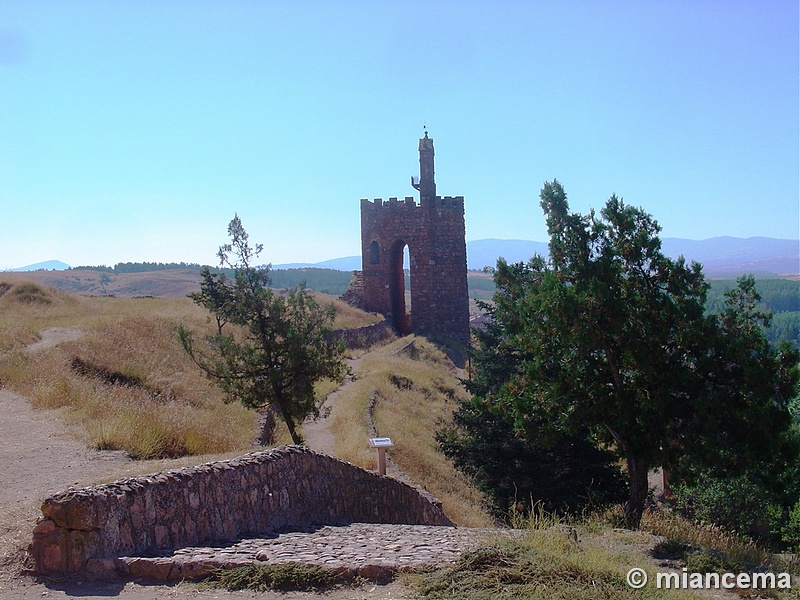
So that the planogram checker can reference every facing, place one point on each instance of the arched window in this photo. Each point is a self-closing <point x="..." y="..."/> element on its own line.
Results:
<point x="374" y="253"/>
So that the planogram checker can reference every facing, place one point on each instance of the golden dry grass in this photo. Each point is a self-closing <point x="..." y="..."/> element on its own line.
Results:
<point x="675" y="527"/>
<point x="416" y="389"/>
<point x="347" y="317"/>
<point x="24" y="306"/>
<point x="126" y="381"/>
<point x="165" y="408"/>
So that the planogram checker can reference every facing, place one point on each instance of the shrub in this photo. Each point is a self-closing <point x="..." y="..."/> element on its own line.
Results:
<point x="28" y="292"/>
<point x="734" y="503"/>
<point x="568" y="476"/>
<point x="283" y="577"/>
<point x="790" y="532"/>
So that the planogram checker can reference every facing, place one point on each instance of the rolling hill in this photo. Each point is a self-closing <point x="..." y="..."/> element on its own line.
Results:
<point x="720" y="256"/>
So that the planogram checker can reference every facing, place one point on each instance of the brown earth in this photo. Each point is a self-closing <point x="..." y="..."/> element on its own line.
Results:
<point x="38" y="457"/>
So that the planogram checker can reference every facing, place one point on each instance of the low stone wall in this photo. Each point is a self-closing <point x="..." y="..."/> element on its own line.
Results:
<point x="284" y="489"/>
<point x="365" y="336"/>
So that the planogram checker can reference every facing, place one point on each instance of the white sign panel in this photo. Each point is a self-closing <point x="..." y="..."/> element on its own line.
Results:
<point x="380" y="442"/>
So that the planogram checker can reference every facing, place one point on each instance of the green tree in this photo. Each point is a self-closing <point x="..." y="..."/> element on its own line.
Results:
<point x="757" y="502"/>
<point x="269" y="348"/>
<point x="564" y="475"/>
<point x="610" y="335"/>
<point x="517" y="474"/>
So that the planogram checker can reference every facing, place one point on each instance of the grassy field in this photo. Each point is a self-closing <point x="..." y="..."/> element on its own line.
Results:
<point x="589" y="558"/>
<point x="125" y="382"/>
<point x="415" y="388"/>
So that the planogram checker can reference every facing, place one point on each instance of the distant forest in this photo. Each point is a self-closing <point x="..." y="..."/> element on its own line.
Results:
<point x="139" y="267"/>
<point x="779" y="296"/>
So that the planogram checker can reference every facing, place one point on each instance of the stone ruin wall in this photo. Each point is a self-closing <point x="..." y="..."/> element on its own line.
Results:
<point x="434" y="231"/>
<point x="354" y="294"/>
<point x="287" y="488"/>
<point x="364" y="336"/>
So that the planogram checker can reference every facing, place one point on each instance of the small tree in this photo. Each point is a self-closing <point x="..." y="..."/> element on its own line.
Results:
<point x="269" y="348"/>
<point x="609" y="334"/>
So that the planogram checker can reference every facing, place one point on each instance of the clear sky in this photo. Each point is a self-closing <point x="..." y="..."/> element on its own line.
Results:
<point x="133" y="131"/>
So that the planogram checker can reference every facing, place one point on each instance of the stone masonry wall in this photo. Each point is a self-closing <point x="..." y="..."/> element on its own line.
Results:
<point x="354" y="294"/>
<point x="287" y="488"/>
<point x="364" y="336"/>
<point x="434" y="232"/>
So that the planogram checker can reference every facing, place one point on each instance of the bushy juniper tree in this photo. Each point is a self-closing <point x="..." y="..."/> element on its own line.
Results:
<point x="562" y="475"/>
<point x="610" y="335"/>
<point x="269" y="348"/>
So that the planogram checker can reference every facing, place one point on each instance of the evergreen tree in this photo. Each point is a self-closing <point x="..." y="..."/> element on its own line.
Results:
<point x="269" y="348"/>
<point x="563" y="475"/>
<point x="610" y="336"/>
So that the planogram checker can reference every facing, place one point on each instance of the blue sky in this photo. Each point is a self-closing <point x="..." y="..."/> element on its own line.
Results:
<point x="133" y="131"/>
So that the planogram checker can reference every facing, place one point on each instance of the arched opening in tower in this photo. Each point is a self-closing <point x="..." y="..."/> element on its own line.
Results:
<point x="399" y="293"/>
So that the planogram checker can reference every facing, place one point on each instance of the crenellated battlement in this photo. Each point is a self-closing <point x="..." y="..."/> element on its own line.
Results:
<point x="453" y="202"/>
<point x="449" y="202"/>
<point x="392" y="202"/>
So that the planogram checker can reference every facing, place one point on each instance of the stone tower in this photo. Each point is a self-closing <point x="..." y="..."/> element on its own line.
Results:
<point x="434" y="233"/>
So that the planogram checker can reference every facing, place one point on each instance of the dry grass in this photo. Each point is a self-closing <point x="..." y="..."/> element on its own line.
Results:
<point x="676" y="528"/>
<point x="126" y="381"/>
<point x="549" y="560"/>
<point x="15" y="536"/>
<point x="164" y="406"/>
<point x="347" y="317"/>
<point x="24" y="306"/>
<point x="417" y="388"/>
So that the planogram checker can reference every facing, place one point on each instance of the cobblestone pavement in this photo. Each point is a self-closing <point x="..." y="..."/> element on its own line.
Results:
<point x="371" y="551"/>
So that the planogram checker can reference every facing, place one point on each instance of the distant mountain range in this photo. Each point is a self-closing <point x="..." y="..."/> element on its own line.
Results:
<point x="720" y="256"/>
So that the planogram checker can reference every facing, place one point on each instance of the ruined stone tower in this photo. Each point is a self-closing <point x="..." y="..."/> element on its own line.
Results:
<point x="434" y="232"/>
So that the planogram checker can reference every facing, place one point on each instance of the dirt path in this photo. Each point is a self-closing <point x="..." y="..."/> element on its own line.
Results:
<point x="54" y="336"/>
<point x="39" y="457"/>
<point x="317" y="434"/>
